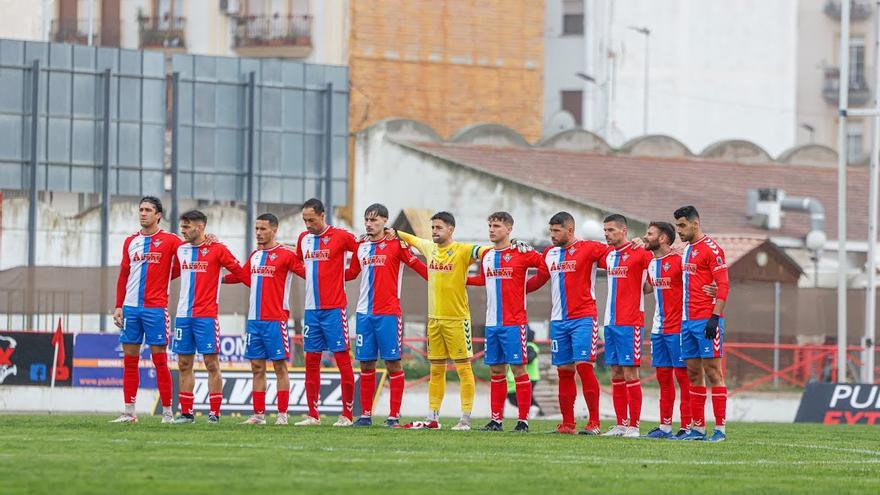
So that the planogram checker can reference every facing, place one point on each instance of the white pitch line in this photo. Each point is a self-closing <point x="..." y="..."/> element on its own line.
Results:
<point x="819" y="447"/>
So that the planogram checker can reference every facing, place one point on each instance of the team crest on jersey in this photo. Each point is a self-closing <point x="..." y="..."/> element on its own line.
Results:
<point x="449" y="253"/>
<point x="273" y="256"/>
<point x="572" y="250"/>
<point x="382" y="245"/>
<point x="204" y="251"/>
<point x="157" y="242"/>
<point x="325" y="240"/>
<point x="625" y="257"/>
<point x="666" y="266"/>
<point x="694" y="253"/>
<point x="507" y="257"/>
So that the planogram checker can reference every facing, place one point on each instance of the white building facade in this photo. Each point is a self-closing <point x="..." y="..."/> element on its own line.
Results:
<point x="717" y="69"/>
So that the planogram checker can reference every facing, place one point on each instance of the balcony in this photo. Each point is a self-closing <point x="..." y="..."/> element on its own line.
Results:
<point x="859" y="10"/>
<point x="163" y="33"/>
<point x="859" y="93"/>
<point x="274" y="36"/>
<point x="77" y="31"/>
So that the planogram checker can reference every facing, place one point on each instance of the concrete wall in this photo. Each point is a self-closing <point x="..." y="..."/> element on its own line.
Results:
<point x="66" y="237"/>
<point x="400" y="177"/>
<point x="21" y="19"/>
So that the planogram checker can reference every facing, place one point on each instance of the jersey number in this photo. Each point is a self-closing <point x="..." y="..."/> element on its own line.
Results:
<point x="305" y="331"/>
<point x="178" y="334"/>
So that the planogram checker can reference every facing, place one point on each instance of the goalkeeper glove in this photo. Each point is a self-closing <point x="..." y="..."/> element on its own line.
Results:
<point x="712" y="327"/>
<point x="521" y="246"/>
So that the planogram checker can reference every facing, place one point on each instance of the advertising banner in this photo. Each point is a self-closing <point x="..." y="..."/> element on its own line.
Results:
<point x="840" y="403"/>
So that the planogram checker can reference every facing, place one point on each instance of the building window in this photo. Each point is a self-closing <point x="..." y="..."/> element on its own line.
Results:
<point x="573" y="17"/>
<point x="857" y="62"/>
<point x="572" y="102"/>
<point x="854" y="142"/>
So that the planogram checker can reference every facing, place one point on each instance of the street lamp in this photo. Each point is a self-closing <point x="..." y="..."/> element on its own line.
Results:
<point x="609" y="97"/>
<point x="647" y="33"/>
<point x="810" y="129"/>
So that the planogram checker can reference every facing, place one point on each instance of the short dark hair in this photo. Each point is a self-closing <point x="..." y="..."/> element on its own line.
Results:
<point x="194" y="216"/>
<point x="615" y="217"/>
<point x="272" y="219"/>
<point x="153" y="200"/>
<point x="445" y="217"/>
<point x="378" y="208"/>
<point x="315" y="204"/>
<point x="688" y="212"/>
<point x="666" y="229"/>
<point x="562" y="218"/>
<point x="503" y="217"/>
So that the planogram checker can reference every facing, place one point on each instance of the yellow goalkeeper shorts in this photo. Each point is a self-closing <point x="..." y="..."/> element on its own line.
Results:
<point x="449" y="339"/>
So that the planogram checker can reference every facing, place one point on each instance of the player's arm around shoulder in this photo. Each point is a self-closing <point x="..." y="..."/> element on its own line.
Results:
<point x="479" y="279"/>
<point x="424" y="246"/>
<point x="538" y="280"/>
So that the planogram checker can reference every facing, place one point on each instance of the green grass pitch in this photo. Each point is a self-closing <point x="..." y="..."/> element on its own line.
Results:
<point x="61" y="454"/>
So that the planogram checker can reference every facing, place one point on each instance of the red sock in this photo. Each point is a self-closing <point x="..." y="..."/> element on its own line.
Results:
<point x="634" y="399"/>
<point x="523" y="396"/>
<point x="186" y="400"/>
<point x="215" y="399"/>
<point x="131" y="377"/>
<point x="667" y="395"/>
<point x="684" y="389"/>
<point x="719" y="405"/>
<point x="283" y="400"/>
<point x="698" y="406"/>
<point x="313" y="381"/>
<point x="590" y="389"/>
<point x="163" y="377"/>
<point x="346" y="374"/>
<point x="618" y="395"/>
<point x="498" y="394"/>
<point x="368" y="388"/>
<point x="259" y="402"/>
<point x="567" y="395"/>
<point x="398" y="382"/>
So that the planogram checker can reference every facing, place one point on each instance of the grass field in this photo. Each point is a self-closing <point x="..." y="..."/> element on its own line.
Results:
<point x="85" y="454"/>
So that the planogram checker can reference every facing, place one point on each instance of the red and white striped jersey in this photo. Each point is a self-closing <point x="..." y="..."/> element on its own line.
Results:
<point x="572" y="274"/>
<point x="269" y="272"/>
<point x="503" y="272"/>
<point x="323" y="257"/>
<point x="381" y="263"/>
<point x="146" y="270"/>
<point x="200" y="277"/>
<point x="627" y="270"/>
<point x="702" y="263"/>
<point x="664" y="275"/>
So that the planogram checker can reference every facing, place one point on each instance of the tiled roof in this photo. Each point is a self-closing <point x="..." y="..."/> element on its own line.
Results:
<point x="652" y="188"/>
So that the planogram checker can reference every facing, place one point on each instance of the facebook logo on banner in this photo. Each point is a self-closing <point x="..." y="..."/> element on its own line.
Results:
<point x="38" y="372"/>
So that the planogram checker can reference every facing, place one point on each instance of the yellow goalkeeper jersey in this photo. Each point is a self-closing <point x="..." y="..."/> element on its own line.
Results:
<point x="447" y="276"/>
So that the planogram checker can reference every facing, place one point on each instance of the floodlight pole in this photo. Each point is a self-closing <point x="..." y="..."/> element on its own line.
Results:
<point x="843" y="101"/>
